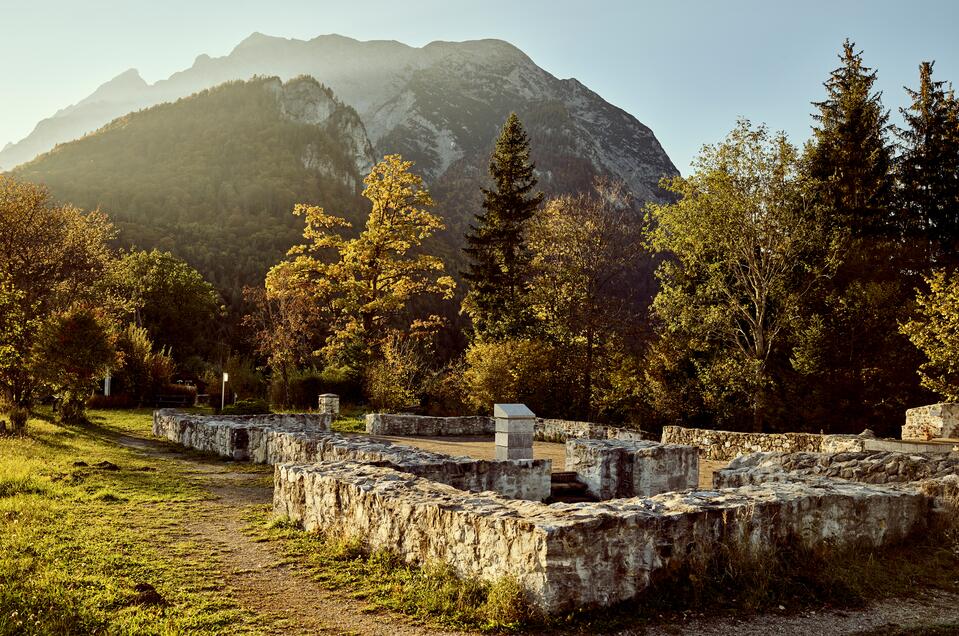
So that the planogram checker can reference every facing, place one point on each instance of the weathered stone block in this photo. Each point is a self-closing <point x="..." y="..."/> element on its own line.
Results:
<point x="329" y="403"/>
<point x="932" y="421"/>
<point x="504" y="453"/>
<point x="427" y="426"/>
<point x="621" y="468"/>
<point x="514" y="440"/>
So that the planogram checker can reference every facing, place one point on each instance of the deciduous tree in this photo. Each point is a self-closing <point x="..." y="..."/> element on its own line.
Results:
<point x="743" y="258"/>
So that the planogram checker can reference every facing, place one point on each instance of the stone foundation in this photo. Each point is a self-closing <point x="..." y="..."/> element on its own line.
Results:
<point x="619" y="468"/>
<point x="871" y="467"/>
<point x="569" y="556"/>
<point x="427" y="426"/>
<point x="932" y="422"/>
<point x="304" y="439"/>
<point x="544" y="430"/>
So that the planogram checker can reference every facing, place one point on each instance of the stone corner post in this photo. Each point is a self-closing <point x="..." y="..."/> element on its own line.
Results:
<point x="514" y="431"/>
<point x="329" y="403"/>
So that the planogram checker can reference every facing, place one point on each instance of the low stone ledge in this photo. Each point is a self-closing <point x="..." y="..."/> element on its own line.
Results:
<point x="621" y="468"/>
<point x="544" y="430"/>
<point x="427" y="426"/>
<point x="726" y="445"/>
<point x="571" y="556"/>
<point x="872" y="467"/>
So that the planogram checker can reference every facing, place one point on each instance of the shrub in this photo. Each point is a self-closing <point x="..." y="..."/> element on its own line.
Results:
<point x="526" y="371"/>
<point x="306" y="385"/>
<point x="16" y="421"/>
<point x="393" y="381"/>
<point x="247" y="407"/>
<point x="115" y="401"/>
<point x="445" y="392"/>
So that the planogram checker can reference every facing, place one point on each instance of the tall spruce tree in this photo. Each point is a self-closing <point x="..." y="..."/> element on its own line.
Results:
<point x="929" y="172"/>
<point x="854" y="365"/>
<point x="499" y="268"/>
<point x="850" y="156"/>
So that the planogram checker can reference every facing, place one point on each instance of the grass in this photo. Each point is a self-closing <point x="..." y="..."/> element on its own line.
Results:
<point x="77" y="538"/>
<point x="433" y="593"/>
<point x="84" y="520"/>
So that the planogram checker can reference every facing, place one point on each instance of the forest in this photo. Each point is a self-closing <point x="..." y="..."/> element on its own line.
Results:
<point x="777" y="288"/>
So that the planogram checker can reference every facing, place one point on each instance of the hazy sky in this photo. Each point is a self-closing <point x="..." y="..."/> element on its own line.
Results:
<point x="687" y="69"/>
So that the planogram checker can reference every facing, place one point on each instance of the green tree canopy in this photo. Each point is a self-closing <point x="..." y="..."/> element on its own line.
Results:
<point x="365" y="285"/>
<point x="743" y="258"/>
<point x="51" y="257"/>
<point x="928" y="171"/>
<point x="170" y="299"/>
<point x="72" y="349"/>
<point x="499" y="268"/>
<point x="935" y="332"/>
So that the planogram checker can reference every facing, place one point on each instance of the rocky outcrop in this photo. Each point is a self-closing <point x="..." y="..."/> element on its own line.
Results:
<point x="569" y="556"/>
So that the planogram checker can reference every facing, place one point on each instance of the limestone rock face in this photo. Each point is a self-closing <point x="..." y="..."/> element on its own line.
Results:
<point x="440" y="105"/>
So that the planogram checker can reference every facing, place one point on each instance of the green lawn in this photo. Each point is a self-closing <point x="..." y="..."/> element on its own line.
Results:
<point x="75" y="539"/>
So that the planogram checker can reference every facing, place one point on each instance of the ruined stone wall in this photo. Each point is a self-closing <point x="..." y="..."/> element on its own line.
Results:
<point x="544" y="430"/>
<point x="297" y="439"/>
<point x="427" y="426"/>
<point x="620" y="468"/>
<point x="871" y="467"/>
<point x="726" y="445"/>
<point x="578" y="555"/>
<point x="932" y="421"/>
<point x="548" y="430"/>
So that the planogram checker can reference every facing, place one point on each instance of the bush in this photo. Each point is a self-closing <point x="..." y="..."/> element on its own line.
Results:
<point x="15" y="422"/>
<point x="247" y="407"/>
<point x="307" y="384"/>
<point x="526" y="371"/>
<point x="445" y="392"/>
<point x="393" y="381"/>
<point x="115" y="401"/>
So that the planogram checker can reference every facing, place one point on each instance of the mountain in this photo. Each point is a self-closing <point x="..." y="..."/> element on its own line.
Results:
<point x="213" y="177"/>
<point x="440" y="105"/>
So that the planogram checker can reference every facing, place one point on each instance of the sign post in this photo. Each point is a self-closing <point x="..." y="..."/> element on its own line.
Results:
<point x="226" y="378"/>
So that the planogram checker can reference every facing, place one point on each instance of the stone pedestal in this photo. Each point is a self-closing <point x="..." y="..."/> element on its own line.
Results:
<point x="514" y="431"/>
<point x="614" y="469"/>
<point x="329" y="403"/>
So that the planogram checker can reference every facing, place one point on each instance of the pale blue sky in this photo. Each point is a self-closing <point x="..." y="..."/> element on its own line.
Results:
<point x="687" y="69"/>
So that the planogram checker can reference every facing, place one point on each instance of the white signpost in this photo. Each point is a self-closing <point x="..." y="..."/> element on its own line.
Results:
<point x="226" y="378"/>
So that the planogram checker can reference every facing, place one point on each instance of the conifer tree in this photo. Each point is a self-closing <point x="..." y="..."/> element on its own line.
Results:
<point x="850" y="155"/>
<point x="499" y="268"/>
<point x="929" y="171"/>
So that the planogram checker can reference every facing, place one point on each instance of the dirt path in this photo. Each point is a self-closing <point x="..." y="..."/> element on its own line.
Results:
<point x="287" y="600"/>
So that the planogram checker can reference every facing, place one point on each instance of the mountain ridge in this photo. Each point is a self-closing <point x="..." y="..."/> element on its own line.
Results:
<point x="383" y="80"/>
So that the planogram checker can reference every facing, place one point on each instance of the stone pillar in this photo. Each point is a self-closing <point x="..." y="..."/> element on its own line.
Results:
<point x="514" y="431"/>
<point x="330" y="404"/>
<point x="933" y="421"/>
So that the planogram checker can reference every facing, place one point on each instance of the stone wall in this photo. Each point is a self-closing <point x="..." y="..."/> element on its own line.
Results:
<point x="620" y="468"/>
<point x="427" y="426"/>
<point x="932" y="422"/>
<point x="726" y="445"/>
<point x="297" y="439"/>
<point x="560" y="431"/>
<point x="544" y="430"/>
<point x="871" y="467"/>
<point x="569" y="556"/>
